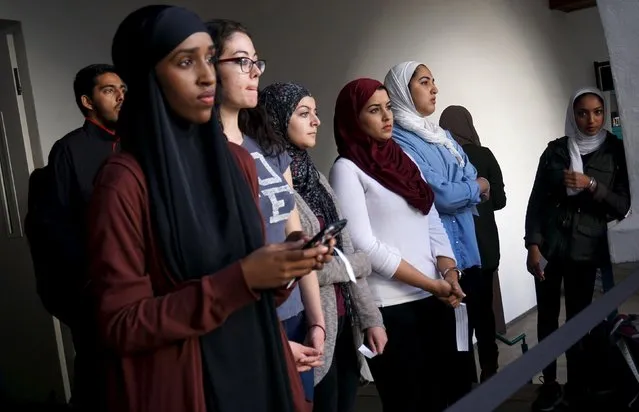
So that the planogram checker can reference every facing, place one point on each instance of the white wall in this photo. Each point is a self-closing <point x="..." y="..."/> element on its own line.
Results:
<point x="586" y="38"/>
<point x="512" y="63"/>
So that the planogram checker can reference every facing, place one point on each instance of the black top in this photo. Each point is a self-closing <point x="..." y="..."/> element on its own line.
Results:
<point x="575" y="228"/>
<point x="55" y="224"/>
<point x="485" y="227"/>
<point x="59" y="243"/>
<point x="76" y="159"/>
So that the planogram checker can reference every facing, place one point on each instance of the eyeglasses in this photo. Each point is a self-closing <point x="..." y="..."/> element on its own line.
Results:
<point x="246" y="64"/>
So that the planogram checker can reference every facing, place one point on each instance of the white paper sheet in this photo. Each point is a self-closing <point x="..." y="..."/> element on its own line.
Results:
<point x="542" y="264"/>
<point x="367" y="352"/>
<point x="461" y="327"/>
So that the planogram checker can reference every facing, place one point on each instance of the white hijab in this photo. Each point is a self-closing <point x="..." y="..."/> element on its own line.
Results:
<point x="580" y="144"/>
<point x="407" y="116"/>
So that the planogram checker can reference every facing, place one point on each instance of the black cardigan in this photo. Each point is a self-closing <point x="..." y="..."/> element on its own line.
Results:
<point x="485" y="227"/>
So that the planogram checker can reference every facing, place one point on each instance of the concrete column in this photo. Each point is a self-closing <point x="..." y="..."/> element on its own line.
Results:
<point x="620" y="22"/>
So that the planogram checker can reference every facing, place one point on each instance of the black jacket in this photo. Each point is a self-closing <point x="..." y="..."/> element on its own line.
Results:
<point x="485" y="227"/>
<point x="575" y="228"/>
<point x="74" y="161"/>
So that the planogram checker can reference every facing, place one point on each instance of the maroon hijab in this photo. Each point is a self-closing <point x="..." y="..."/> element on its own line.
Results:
<point x="385" y="162"/>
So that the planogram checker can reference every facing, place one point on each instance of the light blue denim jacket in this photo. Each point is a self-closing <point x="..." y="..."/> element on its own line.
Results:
<point x="456" y="191"/>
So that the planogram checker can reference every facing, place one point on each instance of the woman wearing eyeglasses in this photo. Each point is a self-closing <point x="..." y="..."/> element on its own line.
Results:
<point x="238" y="75"/>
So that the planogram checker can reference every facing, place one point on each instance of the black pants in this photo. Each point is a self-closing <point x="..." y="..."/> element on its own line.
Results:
<point x="485" y="328"/>
<point x="471" y="284"/>
<point x="416" y="370"/>
<point x="337" y="391"/>
<point x="579" y="281"/>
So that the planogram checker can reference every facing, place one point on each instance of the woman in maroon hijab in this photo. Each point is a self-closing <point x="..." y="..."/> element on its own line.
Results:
<point x="391" y="218"/>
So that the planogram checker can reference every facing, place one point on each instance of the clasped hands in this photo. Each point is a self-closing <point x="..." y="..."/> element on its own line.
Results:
<point x="310" y="354"/>
<point x="452" y="294"/>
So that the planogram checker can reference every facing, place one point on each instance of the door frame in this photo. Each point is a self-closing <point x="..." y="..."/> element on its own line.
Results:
<point x="11" y="32"/>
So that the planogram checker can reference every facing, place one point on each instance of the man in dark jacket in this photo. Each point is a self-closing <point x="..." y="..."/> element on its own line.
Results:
<point x="458" y="121"/>
<point x="56" y="227"/>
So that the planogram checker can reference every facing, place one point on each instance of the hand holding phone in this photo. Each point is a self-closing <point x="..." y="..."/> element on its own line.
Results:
<point x="323" y="237"/>
<point x="274" y="265"/>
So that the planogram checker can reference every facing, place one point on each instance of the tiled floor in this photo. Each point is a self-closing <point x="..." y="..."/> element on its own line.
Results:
<point x="368" y="400"/>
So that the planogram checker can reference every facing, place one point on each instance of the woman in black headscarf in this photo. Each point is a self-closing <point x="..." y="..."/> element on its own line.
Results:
<point x="459" y="122"/>
<point x="186" y="290"/>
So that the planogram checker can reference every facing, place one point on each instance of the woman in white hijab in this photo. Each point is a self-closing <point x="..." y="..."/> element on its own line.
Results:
<point x="580" y="186"/>
<point x="458" y="189"/>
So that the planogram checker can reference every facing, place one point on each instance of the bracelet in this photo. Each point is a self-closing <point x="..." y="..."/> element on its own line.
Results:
<point x="456" y="269"/>
<point x="592" y="184"/>
<point x="317" y="325"/>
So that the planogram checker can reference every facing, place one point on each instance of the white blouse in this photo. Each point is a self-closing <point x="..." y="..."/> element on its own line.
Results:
<point x="388" y="229"/>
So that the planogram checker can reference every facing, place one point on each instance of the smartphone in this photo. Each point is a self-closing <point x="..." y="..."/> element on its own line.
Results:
<point x="329" y="231"/>
<point x="322" y="238"/>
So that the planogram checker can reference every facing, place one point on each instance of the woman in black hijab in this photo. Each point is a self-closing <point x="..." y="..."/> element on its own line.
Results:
<point x="459" y="122"/>
<point x="186" y="290"/>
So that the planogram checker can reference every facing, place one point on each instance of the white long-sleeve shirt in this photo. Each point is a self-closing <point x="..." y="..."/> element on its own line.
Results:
<point x="388" y="229"/>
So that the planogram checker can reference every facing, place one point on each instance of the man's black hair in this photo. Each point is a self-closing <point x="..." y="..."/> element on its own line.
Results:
<point x="86" y="79"/>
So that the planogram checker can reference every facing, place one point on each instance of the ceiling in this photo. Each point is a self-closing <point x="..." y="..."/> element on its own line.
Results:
<point x="568" y="6"/>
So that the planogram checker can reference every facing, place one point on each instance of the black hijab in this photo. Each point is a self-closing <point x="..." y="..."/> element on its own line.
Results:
<point x="203" y="214"/>
<point x="280" y="101"/>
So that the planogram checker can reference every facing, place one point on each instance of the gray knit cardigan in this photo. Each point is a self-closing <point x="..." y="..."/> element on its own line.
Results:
<point x="367" y="314"/>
